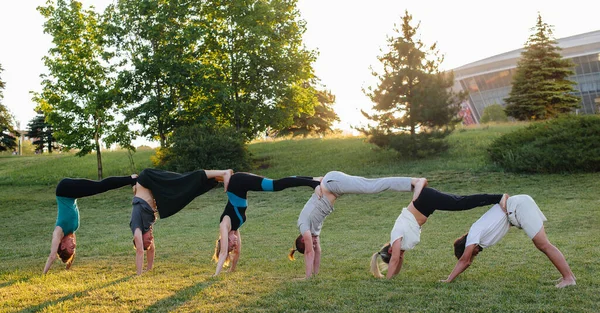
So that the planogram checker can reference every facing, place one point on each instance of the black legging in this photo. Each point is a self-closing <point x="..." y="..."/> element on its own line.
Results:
<point x="241" y="183"/>
<point x="79" y="187"/>
<point x="431" y="199"/>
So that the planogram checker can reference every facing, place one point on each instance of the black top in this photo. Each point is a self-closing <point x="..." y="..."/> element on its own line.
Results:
<point x="142" y="215"/>
<point x="173" y="191"/>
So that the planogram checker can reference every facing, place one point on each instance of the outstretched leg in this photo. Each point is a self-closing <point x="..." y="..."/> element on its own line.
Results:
<point x="540" y="240"/>
<point x="433" y="199"/>
<point x="241" y="183"/>
<point x="79" y="188"/>
<point x="340" y="183"/>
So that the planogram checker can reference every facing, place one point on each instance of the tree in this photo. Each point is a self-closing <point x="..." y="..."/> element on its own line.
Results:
<point x="493" y="113"/>
<point x="259" y="64"/>
<point x="161" y="75"/>
<point x="540" y="88"/>
<point x="78" y="95"/>
<point x="319" y="122"/>
<point x="415" y="108"/>
<point x="39" y="129"/>
<point x="7" y="131"/>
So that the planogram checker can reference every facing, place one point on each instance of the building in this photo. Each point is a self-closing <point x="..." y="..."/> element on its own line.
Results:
<point x="488" y="81"/>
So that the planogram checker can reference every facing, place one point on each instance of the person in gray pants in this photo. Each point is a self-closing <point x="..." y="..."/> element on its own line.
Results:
<point x="333" y="185"/>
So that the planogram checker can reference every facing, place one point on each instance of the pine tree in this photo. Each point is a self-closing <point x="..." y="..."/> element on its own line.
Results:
<point x="39" y="129"/>
<point x="540" y="88"/>
<point x="415" y="108"/>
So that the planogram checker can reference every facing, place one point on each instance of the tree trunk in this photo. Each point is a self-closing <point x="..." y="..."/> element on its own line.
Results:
<point x="98" y="152"/>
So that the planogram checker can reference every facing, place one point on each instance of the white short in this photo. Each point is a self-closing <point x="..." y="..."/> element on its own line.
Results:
<point x="407" y="228"/>
<point x="524" y="213"/>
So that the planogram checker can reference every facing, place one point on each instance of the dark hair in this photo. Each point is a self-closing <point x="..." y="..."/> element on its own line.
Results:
<point x="64" y="254"/>
<point x="459" y="245"/>
<point x="299" y="246"/>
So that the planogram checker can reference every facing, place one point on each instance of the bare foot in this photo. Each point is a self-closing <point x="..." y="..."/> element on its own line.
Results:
<point x="503" y="202"/>
<point x="566" y="282"/>
<point x="226" y="177"/>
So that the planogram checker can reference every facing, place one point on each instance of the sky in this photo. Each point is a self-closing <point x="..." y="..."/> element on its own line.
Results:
<point x="348" y="35"/>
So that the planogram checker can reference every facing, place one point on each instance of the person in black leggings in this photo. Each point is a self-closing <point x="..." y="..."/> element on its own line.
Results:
<point x="68" y="191"/>
<point x="406" y="233"/>
<point x="228" y="246"/>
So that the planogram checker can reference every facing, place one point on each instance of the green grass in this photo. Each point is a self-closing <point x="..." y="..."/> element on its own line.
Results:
<point x="512" y="276"/>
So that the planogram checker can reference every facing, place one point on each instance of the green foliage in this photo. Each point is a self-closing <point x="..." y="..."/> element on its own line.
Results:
<point x="319" y="122"/>
<point x="413" y="95"/>
<point x="78" y="94"/>
<point x="239" y="64"/>
<point x="493" y="113"/>
<point x="7" y="140"/>
<point x="540" y="88"/>
<point x="103" y="277"/>
<point x="42" y="132"/>
<point x="204" y="147"/>
<point x="566" y="144"/>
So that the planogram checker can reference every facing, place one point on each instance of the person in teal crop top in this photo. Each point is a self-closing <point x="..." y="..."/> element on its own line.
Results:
<point x="68" y="191"/>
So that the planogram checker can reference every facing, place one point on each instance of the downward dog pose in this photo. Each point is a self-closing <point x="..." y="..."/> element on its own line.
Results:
<point x="320" y="205"/>
<point x="68" y="191"/>
<point x="523" y="213"/>
<point x="406" y="233"/>
<point x="165" y="193"/>
<point x="229" y="244"/>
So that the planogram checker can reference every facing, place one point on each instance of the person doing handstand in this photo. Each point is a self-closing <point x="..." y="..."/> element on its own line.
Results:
<point x="520" y="211"/>
<point x="320" y="205"/>
<point x="68" y="191"/>
<point x="229" y="244"/>
<point x="165" y="193"/>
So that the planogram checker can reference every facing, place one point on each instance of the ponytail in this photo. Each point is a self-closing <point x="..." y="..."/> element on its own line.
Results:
<point x="291" y="254"/>
<point x="374" y="267"/>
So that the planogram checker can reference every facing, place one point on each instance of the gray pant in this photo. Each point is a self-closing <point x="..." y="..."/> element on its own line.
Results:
<point x="340" y="183"/>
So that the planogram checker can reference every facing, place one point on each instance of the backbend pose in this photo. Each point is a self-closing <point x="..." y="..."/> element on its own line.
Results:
<point x="229" y="244"/>
<point x="406" y="233"/>
<point x="320" y="205"/>
<point x="68" y="191"/>
<point x="523" y="213"/>
<point x="165" y="193"/>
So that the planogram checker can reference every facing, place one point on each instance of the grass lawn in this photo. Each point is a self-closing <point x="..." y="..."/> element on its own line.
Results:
<point x="512" y="276"/>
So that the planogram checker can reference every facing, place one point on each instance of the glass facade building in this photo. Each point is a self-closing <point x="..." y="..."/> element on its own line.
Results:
<point x="488" y="81"/>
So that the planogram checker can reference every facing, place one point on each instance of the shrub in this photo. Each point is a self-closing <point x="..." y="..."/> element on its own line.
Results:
<point x="204" y="147"/>
<point x="566" y="144"/>
<point x="424" y="144"/>
<point x="493" y="113"/>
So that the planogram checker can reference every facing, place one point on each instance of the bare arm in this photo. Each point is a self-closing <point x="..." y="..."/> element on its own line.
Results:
<point x="309" y="254"/>
<point x="139" y="251"/>
<point x="57" y="236"/>
<point x="236" y="255"/>
<point x="150" y="256"/>
<point x="224" y="234"/>
<point x="396" y="260"/>
<point x="463" y="263"/>
<point x="317" y="260"/>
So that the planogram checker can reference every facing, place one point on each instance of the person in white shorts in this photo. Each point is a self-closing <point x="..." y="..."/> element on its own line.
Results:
<point x="333" y="185"/>
<point x="520" y="211"/>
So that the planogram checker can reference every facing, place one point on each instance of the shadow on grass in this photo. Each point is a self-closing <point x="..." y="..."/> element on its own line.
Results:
<point x="14" y="281"/>
<point x="178" y="299"/>
<point x="46" y="304"/>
